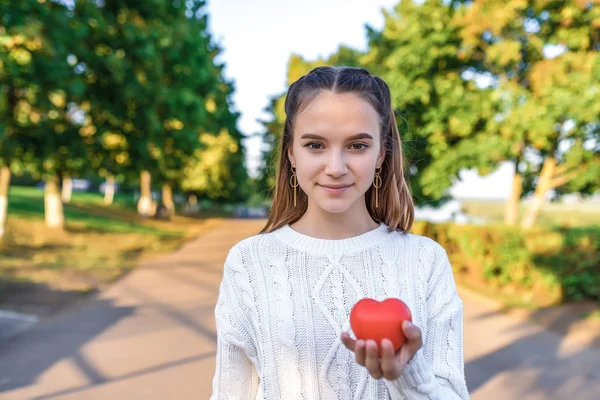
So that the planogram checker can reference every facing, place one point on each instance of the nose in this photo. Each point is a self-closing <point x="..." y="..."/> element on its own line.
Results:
<point x="336" y="164"/>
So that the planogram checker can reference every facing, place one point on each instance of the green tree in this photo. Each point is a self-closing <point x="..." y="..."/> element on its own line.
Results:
<point x="536" y="111"/>
<point x="550" y="113"/>
<point x="442" y="111"/>
<point x="208" y="173"/>
<point x="38" y="86"/>
<point x="216" y="170"/>
<point x="152" y="82"/>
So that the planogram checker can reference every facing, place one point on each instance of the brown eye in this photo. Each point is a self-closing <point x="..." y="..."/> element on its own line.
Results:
<point x="359" y="146"/>
<point x="314" y="146"/>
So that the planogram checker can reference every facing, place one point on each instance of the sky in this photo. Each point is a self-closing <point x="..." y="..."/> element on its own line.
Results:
<point x="258" y="37"/>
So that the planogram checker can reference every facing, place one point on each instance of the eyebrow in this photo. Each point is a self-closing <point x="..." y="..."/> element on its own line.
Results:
<point x="361" y="135"/>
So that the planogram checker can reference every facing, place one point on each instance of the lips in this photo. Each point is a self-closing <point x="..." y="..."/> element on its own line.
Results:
<point x="335" y="186"/>
<point x="336" y="189"/>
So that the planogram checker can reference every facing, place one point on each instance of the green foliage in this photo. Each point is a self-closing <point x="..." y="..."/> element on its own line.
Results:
<point x="37" y="86"/>
<point x="111" y="89"/>
<point x="549" y="108"/>
<point x="418" y="53"/>
<point x="539" y="267"/>
<point x="533" y="109"/>
<point x="209" y="172"/>
<point x="153" y="86"/>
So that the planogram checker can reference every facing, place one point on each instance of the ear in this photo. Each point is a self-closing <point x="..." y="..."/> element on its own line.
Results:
<point x="291" y="155"/>
<point x="380" y="158"/>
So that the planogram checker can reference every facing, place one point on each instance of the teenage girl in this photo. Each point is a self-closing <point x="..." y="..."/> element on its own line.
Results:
<point x="338" y="231"/>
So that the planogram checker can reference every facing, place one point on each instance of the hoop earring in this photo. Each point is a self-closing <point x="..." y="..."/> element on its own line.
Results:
<point x="294" y="183"/>
<point x="377" y="182"/>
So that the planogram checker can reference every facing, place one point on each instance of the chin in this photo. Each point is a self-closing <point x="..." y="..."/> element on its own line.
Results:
<point x="335" y="207"/>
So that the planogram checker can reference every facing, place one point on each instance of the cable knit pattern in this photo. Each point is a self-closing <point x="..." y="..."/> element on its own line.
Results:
<point x="390" y="256"/>
<point x="286" y="297"/>
<point x="338" y="300"/>
<point x="236" y="357"/>
<point x="284" y="316"/>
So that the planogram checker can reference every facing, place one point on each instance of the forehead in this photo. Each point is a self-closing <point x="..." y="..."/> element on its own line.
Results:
<point x="331" y="114"/>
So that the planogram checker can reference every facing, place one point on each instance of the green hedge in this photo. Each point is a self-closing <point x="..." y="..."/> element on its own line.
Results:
<point x="536" y="267"/>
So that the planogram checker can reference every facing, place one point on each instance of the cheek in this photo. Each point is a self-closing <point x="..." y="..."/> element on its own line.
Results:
<point x="364" y="170"/>
<point x="307" y="174"/>
<point x="307" y="166"/>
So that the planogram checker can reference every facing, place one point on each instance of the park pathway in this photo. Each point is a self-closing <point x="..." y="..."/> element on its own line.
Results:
<point x="152" y="336"/>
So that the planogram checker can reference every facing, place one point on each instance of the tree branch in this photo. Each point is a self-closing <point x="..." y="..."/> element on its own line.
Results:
<point x="561" y="179"/>
<point x="560" y="169"/>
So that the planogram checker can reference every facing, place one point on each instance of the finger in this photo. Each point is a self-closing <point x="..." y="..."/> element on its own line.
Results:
<point x="372" y="360"/>
<point x="359" y="352"/>
<point x="388" y="361"/>
<point x="414" y="340"/>
<point x="348" y="341"/>
<point x="412" y="333"/>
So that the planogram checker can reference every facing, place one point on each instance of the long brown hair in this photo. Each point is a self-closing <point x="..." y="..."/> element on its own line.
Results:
<point x="396" y="207"/>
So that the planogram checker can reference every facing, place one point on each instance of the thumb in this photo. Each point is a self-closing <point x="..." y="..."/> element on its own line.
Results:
<point x="413" y="336"/>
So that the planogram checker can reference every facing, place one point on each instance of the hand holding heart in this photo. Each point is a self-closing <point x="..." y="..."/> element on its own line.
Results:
<point x="388" y="323"/>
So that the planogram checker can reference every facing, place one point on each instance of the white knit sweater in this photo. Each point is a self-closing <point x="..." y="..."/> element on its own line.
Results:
<point x="286" y="297"/>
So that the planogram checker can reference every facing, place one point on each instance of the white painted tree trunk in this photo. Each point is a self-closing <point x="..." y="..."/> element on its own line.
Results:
<point x="109" y="190"/>
<point x="53" y="208"/>
<point x="145" y="206"/>
<point x="67" y="190"/>
<point x="167" y="198"/>
<point x="4" y="185"/>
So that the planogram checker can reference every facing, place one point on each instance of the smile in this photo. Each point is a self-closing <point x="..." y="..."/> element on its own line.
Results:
<point x="336" y="189"/>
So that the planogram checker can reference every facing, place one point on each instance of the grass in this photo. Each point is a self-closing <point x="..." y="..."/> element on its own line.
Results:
<point x="98" y="245"/>
<point x="552" y="214"/>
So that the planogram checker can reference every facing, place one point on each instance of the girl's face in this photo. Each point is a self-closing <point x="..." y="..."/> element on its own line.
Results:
<point x="336" y="149"/>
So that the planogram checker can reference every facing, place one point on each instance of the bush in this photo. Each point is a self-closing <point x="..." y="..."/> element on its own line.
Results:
<point x="537" y="267"/>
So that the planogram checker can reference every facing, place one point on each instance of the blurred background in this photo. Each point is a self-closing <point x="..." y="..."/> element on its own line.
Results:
<point x="129" y="130"/>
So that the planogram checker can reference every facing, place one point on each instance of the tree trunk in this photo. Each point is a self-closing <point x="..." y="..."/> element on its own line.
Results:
<point x="67" y="190"/>
<point x="109" y="190"/>
<point x="53" y="208"/>
<point x="167" y="198"/>
<point x="511" y="209"/>
<point x="144" y="205"/>
<point x="543" y="186"/>
<point x="4" y="185"/>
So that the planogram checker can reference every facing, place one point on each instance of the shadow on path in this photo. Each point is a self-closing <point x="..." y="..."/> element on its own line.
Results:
<point x="51" y="341"/>
<point x="539" y="364"/>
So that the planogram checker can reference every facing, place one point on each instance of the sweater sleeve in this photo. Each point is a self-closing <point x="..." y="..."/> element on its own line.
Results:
<point x="437" y="369"/>
<point x="235" y="374"/>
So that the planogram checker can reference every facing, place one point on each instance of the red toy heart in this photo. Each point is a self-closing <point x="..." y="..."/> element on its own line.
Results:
<point x="371" y="319"/>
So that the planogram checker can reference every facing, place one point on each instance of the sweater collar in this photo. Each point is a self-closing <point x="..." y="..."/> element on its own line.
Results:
<point x="314" y="245"/>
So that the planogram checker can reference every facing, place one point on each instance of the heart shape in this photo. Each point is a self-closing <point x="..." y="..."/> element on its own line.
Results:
<point x="371" y="319"/>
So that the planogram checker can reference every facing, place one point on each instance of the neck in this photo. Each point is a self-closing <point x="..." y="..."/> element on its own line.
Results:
<point x="318" y="223"/>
